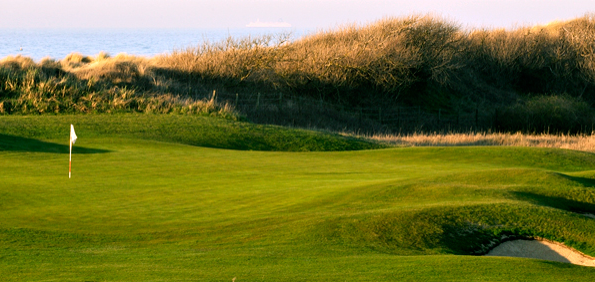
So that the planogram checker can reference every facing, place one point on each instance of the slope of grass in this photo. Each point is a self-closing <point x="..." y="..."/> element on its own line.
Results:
<point x="185" y="129"/>
<point x="139" y="209"/>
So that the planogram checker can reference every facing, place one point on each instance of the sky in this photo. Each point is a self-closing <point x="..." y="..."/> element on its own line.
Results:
<point x="319" y="14"/>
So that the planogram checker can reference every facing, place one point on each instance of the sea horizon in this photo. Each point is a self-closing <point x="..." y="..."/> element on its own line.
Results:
<point x="56" y="43"/>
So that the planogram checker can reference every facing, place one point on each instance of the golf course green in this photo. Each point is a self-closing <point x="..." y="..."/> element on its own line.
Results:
<point x="194" y="198"/>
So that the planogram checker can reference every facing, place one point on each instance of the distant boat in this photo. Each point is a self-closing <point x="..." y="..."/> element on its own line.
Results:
<point x="258" y="23"/>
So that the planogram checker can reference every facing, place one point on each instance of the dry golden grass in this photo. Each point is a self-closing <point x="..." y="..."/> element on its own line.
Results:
<point x="581" y="142"/>
<point x="16" y="63"/>
<point x="535" y="79"/>
<point x="420" y="60"/>
<point x="101" y="84"/>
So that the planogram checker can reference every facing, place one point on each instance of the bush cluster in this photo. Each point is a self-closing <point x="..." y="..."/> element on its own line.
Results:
<point x="411" y="61"/>
<point x="547" y="113"/>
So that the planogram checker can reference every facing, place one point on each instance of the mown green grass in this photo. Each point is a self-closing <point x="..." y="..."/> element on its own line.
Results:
<point x="185" y="129"/>
<point x="146" y="204"/>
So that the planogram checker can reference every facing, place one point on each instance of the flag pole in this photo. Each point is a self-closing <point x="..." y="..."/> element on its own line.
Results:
<point x="70" y="156"/>
<point x="72" y="140"/>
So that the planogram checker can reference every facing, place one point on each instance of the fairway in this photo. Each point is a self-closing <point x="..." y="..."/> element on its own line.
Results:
<point x="183" y="198"/>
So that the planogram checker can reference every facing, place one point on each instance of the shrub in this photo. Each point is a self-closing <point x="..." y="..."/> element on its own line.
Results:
<point x="554" y="113"/>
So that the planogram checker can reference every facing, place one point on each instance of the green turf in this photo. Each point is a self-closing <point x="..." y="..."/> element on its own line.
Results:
<point x="184" y="129"/>
<point x="150" y="206"/>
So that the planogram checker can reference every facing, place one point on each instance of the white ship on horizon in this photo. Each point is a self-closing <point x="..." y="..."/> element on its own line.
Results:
<point x="258" y="23"/>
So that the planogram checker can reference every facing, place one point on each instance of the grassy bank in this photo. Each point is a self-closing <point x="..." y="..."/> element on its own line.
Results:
<point x="417" y="73"/>
<point x="183" y="129"/>
<point x="145" y="207"/>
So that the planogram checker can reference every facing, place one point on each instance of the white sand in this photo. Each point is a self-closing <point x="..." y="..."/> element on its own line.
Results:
<point x="541" y="249"/>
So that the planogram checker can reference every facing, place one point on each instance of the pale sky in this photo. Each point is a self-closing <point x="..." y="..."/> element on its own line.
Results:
<point x="321" y="14"/>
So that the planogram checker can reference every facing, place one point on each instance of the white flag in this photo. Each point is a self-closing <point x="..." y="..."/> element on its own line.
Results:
<point x="72" y="140"/>
<point x="72" y="134"/>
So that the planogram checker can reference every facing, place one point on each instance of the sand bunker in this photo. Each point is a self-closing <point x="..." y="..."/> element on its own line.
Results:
<point x="541" y="249"/>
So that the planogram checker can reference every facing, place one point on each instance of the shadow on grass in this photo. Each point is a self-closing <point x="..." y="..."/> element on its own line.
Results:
<point x="555" y="202"/>
<point x="587" y="182"/>
<point x="22" y="144"/>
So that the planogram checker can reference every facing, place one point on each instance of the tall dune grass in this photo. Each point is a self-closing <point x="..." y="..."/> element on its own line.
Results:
<point x="416" y="61"/>
<point x="407" y="60"/>
<point x="82" y="84"/>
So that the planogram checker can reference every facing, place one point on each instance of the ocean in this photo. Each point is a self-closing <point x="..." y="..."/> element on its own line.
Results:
<point x="57" y="43"/>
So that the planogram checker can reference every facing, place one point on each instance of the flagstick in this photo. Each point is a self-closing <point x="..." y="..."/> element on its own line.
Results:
<point x="70" y="158"/>
<point x="72" y="140"/>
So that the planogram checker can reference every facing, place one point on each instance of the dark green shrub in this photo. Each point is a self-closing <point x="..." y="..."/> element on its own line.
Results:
<point x="553" y="114"/>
